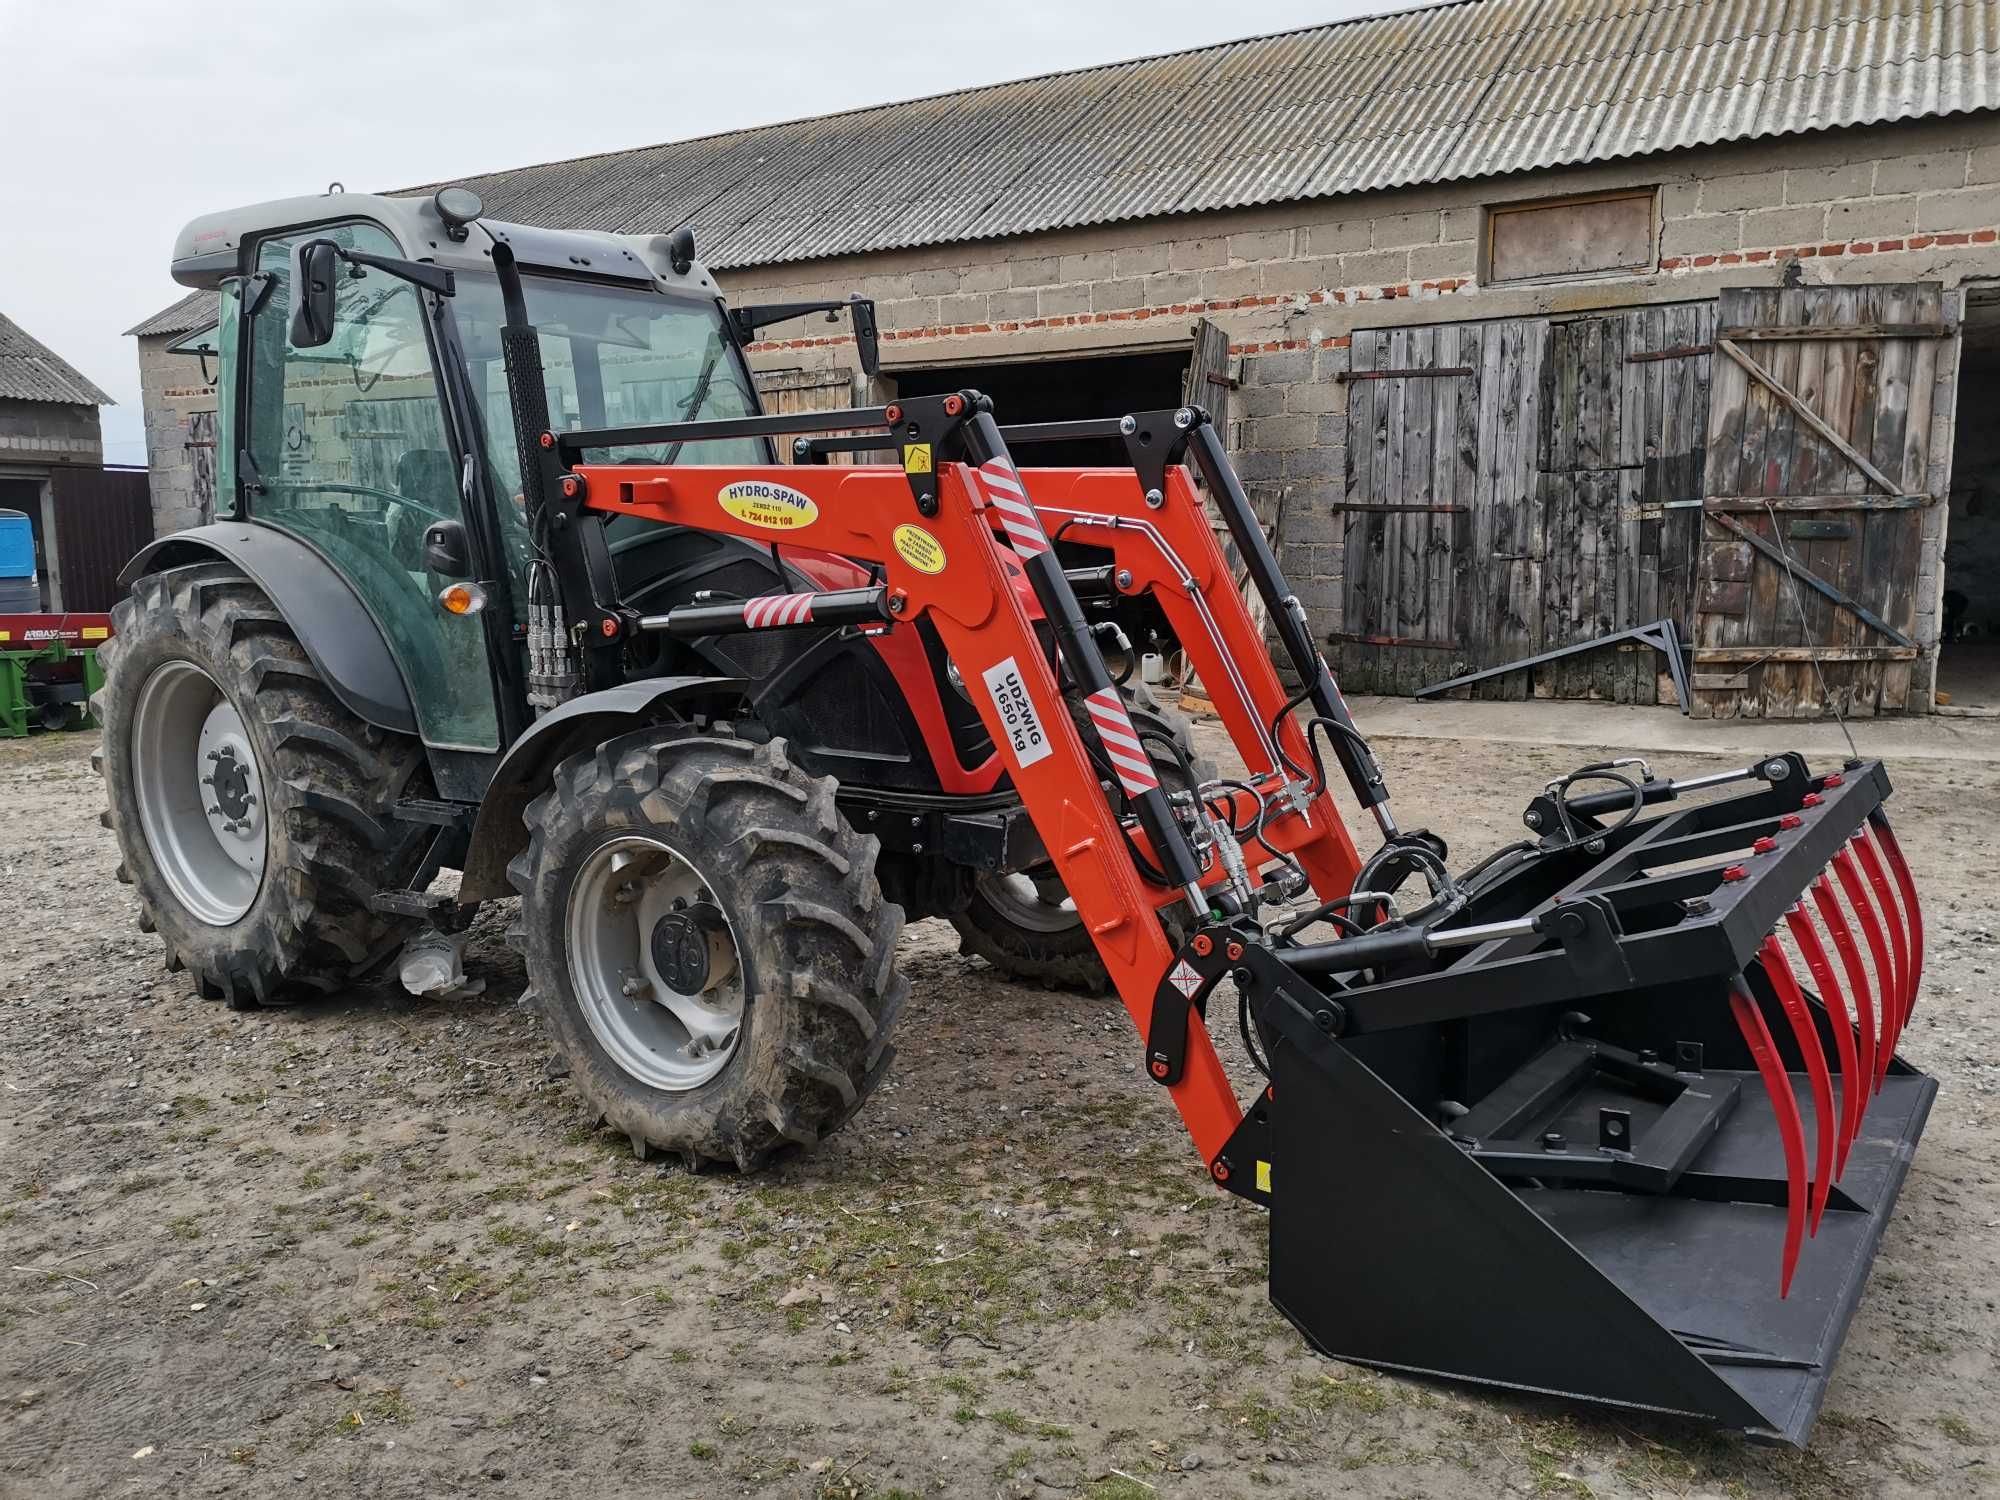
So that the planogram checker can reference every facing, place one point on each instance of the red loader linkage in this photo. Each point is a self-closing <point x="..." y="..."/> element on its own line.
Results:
<point x="1546" y="1131"/>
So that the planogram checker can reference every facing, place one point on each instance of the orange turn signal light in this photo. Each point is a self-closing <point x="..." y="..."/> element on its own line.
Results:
<point x="461" y="598"/>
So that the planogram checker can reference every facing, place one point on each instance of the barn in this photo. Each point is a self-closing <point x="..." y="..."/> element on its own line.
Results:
<point x="1531" y="326"/>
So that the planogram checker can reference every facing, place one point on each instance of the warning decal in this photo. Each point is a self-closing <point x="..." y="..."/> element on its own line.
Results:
<point x="1017" y="712"/>
<point x="1184" y="978"/>
<point x="919" y="548"/>
<point x="917" y="458"/>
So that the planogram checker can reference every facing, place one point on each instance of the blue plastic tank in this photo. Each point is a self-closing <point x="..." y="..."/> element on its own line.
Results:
<point x="17" y="545"/>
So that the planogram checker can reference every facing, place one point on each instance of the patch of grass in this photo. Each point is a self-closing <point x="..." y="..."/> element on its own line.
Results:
<point x="1013" y="1464"/>
<point x="312" y="1178"/>
<point x="702" y="1450"/>
<point x="186" y="1227"/>
<point x="1009" y="1420"/>
<point x="1260" y="1416"/>
<point x="365" y="1238"/>
<point x="1112" y="1487"/>
<point x="1959" y="1430"/>
<point x="388" y="1405"/>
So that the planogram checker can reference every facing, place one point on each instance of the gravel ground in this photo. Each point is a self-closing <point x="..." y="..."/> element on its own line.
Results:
<point x="368" y="1244"/>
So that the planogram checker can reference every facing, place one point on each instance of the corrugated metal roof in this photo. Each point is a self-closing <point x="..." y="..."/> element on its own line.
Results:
<point x="31" y="371"/>
<point x="195" y="310"/>
<point x="1464" y="90"/>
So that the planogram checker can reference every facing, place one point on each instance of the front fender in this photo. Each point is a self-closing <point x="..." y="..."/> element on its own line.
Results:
<point x="331" y="623"/>
<point x="499" y="834"/>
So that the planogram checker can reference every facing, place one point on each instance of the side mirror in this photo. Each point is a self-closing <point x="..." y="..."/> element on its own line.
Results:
<point x="680" y="249"/>
<point x="866" y="342"/>
<point x="315" y="275"/>
<point x="446" y="551"/>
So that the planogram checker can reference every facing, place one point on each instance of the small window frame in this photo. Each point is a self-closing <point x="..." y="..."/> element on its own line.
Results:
<point x="1496" y="212"/>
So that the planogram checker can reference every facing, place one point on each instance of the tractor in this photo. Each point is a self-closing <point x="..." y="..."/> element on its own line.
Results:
<point x="507" y="580"/>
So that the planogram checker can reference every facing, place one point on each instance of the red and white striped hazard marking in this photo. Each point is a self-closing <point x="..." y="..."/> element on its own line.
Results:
<point x="778" y="609"/>
<point x="1009" y="497"/>
<point x="1121" y="741"/>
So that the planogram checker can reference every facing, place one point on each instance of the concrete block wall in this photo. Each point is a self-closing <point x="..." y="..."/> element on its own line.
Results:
<point x="38" y="433"/>
<point x="1915" y="201"/>
<point x="172" y="388"/>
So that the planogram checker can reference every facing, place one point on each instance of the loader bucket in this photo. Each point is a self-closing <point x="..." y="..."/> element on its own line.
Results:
<point x="1646" y="1164"/>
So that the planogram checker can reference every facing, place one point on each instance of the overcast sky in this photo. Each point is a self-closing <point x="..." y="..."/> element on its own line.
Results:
<point x="122" y="119"/>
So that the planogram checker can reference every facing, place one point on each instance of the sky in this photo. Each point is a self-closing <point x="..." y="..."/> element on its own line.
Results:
<point x="120" y="120"/>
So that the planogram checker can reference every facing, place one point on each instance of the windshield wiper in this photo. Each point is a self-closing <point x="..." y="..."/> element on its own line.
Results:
<point x="704" y="378"/>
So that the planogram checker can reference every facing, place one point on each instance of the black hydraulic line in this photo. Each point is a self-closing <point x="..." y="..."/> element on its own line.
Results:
<point x="574" y="541"/>
<point x="1078" y="645"/>
<point x="1288" y="617"/>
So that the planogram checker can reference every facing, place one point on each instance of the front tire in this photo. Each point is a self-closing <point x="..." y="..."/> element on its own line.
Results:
<point x="708" y="944"/>
<point x="254" y="813"/>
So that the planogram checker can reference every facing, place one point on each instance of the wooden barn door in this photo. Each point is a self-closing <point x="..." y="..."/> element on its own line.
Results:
<point x="1518" y="486"/>
<point x="1413" y="415"/>
<point x="1818" y="440"/>
<point x="1622" y="400"/>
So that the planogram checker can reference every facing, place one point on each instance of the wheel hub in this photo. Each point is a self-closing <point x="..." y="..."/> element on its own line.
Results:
<point x="692" y="950"/>
<point x="653" y="964"/>
<point x="199" y="793"/>
<point x="234" y="808"/>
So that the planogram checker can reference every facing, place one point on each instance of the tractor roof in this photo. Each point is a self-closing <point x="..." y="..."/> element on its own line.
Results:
<point x="209" y="248"/>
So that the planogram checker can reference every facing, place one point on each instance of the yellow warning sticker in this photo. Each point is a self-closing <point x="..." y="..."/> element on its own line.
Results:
<point x="775" y="507"/>
<point x="6" y="635"/>
<point x="917" y="458"/>
<point x="95" y="633"/>
<point x="919" y="548"/>
<point x="1263" y="1177"/>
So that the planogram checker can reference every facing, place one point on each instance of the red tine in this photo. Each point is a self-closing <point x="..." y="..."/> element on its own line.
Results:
<point x="1906" y="883"/>
<point x="1899" y="957"/>
<point x="1778" y="968"/>
<point x="1857" y="981"/>
<point x="1778" y="1083"/>
<point x="1878" y="953"/>
<point x="1853" y="1082"/>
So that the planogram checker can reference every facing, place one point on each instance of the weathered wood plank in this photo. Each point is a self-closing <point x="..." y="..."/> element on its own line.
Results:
<point x="1846" y="449"/>
<point x="1821" y="332"/>
<point x="1804" y="653"/>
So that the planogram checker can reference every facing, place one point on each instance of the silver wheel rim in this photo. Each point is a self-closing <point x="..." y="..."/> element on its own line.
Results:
<point x="1037" y="903"/>
<point x="200" y="795"/>
<point x="662" y="1037"/>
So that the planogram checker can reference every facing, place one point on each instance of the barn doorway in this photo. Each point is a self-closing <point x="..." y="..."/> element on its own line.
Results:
<point x="1064" y="390"/>
<point x="1968" y="674"/>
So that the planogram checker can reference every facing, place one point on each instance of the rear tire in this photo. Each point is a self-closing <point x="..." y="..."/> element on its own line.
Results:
<point x="199" y="658"/>
<point x="1022" y="925"/>
<point x="788" y="894"/>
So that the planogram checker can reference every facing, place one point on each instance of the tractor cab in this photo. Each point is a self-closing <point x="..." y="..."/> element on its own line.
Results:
<point x="371" y="419"/>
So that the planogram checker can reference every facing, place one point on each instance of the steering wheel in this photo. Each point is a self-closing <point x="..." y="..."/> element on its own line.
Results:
<point x="393" y="497"/>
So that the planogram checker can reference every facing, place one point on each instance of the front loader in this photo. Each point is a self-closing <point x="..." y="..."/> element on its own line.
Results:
<point x="1615" y="1113"/>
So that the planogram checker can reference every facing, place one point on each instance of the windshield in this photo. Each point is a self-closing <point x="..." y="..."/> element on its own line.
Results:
<point x="611" y="357"/>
